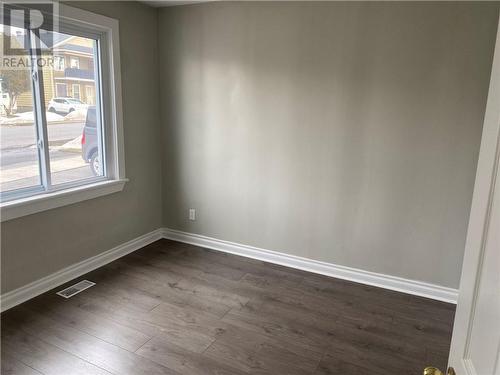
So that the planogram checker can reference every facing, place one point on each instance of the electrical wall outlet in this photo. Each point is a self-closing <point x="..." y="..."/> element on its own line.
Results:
<point x="192" y="214"/>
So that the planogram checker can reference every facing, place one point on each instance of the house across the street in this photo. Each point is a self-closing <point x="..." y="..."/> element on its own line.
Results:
<point x="70" y="74"/>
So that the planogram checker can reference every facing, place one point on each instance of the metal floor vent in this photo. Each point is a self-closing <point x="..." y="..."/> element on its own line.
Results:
<point x="75" y="289"/>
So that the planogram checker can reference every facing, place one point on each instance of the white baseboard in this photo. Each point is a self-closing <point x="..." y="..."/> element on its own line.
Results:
<point x="399" y="284"/>
<point x="418" y="288"/>
<point x="20" y="295"/>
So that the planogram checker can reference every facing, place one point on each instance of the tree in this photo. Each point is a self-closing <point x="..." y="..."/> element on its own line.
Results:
<point x="14" y="82"/>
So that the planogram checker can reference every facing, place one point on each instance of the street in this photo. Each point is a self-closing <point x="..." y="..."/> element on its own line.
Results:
<point x="19" y="156"/>
<point x="22" y="136"/>
<point x="17" y="143"/>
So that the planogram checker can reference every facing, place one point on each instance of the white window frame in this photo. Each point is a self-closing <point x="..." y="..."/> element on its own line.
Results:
<point x="74" y="59"/>
<point x="86" y="24"/>
<point x="57" y="65"/>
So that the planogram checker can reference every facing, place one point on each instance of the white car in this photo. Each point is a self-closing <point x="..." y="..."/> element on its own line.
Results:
<point x="66" y="105"/>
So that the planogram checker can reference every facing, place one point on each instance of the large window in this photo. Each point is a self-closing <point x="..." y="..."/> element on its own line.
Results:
<point x="55" y="141"/>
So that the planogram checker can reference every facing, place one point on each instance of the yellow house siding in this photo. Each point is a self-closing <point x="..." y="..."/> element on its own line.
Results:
<point x="25" y="100"/>
<point x="79" y="41"/>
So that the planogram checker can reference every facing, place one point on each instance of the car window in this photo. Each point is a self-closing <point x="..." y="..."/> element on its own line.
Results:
<point x="91" y="118"/>
<point x="75" y="101"/>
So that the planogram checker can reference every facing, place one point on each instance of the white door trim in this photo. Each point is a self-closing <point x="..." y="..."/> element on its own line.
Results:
<point x="481" y="210"/>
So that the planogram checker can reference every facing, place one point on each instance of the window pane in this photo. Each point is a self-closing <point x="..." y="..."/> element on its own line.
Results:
<point x="19" y="167"/>
<point x="74" y="129"/>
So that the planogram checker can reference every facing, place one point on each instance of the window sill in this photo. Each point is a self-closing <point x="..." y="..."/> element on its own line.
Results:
<point x="38" y="203"/>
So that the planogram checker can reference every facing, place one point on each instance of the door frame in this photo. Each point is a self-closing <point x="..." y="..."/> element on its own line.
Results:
<point x="478" y="229"/>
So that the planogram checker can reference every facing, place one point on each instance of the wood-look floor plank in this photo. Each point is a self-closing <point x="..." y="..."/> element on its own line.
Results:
<point x="249" y="266"/>
<point x="173" y="308"/>
<point x="191" y="257"/>
<point x="437" y="357"/>
<point x="226" y="333"/>
<point x="372" y="354"/>
<point x="89" y="348"/>
<point x="301" y="334"/>
<point x="65" y="312"/>
<point x="265" y="350"/>
<point x="293" y="296"/>
<point x="331" y="365"/>
<point x="182" y="261"/>
<point x="363" y="296"/>
<point x="251" y="359"/>
<point x="11" y="366"/>
<point x="42" y="356"/>
<point x="145" y="269"/>
<point x="215" y="303"/>
<point x="149" y="323"/>
<point x="428" y="333"/>
<point x="294" y="312"/>
<point x="183" y="361"/>
<point x="376" y="339"/>
<point x="122" y="290"/>
<point x="189" y="318"/>
<point x="193" y="286"/>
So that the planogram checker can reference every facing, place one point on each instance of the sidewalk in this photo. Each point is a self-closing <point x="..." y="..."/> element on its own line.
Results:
<point x="27" y="118"/>
<point x="14" y="172"/>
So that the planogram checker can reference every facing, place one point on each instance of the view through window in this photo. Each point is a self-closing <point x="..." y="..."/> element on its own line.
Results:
<point x="59" y="145"/>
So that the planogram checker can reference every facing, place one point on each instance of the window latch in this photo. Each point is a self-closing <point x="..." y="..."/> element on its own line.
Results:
<point x="34" y="75"/>
<point x="40" y="144"/>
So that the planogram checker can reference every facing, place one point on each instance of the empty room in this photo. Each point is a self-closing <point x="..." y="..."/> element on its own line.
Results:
<point x="250" y="187"/>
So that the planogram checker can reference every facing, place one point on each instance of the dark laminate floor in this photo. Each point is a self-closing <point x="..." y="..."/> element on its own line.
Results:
<point x="172" y="308"/>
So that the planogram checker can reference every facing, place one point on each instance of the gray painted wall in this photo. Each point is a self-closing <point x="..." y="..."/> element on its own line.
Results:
<point x="346" y="133"/>
<point x="342" y="132"/>
<point x="38" y="245"/>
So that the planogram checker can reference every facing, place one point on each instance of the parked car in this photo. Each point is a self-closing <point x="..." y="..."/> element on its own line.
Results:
<point x="66" y="105"/>
<point x="90" y="149"/>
